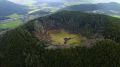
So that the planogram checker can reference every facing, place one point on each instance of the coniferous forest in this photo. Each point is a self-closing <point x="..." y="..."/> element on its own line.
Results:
<point x="29" y="45"/>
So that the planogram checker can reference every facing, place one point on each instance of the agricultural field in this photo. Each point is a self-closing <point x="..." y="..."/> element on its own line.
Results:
<point x="14" y="16"/>
<point x="10" y="24"/>
<point x="14" y="22"/>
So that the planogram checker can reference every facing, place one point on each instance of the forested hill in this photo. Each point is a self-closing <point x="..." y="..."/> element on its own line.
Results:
<point x="87" y="24"/>
<point x="78" y="22"/>
<point x="101" y="8"/>
<point x="8" y="8"/>
<point x="26" y="45"/>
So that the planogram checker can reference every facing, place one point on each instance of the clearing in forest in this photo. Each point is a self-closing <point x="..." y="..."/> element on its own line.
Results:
<point x="61" y="37"/>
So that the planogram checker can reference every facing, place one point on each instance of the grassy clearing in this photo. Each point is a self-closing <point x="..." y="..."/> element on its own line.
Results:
<point x="58" y="38"/>
<point x="10" y="24"/>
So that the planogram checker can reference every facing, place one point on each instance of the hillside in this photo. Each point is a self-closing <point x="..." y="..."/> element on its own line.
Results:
<point x="8" y="8"/>
<point x="40" y="13"/>
<point x="73" y="25"/>
<point x="63" y="39"/>
<point x="101" y="8"/>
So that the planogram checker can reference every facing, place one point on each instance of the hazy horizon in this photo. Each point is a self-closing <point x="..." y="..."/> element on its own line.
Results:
<point x="68" y="1"/>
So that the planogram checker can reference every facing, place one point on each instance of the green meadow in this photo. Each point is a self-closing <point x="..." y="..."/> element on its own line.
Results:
<point x="10" y="24"/>
<point x="58" y="38"/>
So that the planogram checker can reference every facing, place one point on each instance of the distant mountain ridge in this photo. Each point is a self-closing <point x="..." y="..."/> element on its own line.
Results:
<point x="112" y="8"/>
<point x="50" y="4"/>
<point x="8" y="8"/>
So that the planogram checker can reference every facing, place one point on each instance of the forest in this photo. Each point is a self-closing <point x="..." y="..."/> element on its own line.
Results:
<point x="27" y="45"/>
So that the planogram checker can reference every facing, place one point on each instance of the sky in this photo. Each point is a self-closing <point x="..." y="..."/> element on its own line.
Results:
<point x="82" y="1"/>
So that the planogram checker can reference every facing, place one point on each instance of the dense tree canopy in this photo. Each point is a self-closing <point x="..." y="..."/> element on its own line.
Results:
<point x="20" y="48"/>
